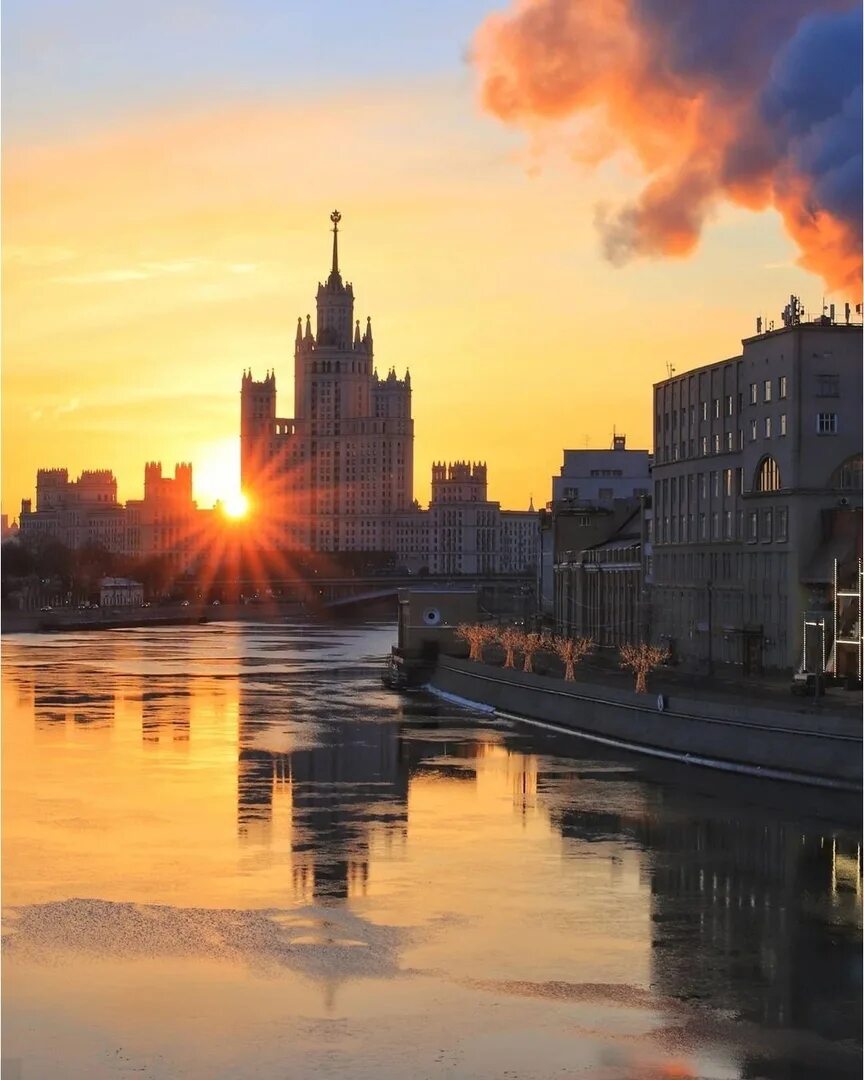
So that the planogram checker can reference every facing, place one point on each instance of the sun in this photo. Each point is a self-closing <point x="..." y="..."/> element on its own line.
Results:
<point x="236" y="505"/>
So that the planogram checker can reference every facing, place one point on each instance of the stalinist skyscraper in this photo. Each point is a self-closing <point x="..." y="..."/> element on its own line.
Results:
<point x="335" y="476"/>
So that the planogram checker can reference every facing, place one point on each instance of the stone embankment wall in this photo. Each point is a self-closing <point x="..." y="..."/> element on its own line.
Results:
<point x="812" y="747"/>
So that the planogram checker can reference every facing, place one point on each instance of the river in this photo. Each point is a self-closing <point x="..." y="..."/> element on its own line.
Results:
<point x="229" y="852"/>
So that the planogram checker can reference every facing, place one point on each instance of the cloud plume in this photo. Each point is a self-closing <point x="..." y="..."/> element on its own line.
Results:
<point x="758" y="104"/>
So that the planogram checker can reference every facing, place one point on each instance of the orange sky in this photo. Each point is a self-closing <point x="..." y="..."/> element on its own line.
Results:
<point x="149" y="259"/>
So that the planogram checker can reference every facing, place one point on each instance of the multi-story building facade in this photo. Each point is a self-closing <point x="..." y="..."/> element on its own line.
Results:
<point x="596" y="477"/>
<point x="85" y="512"/>
<point x="335" y="477"/>
<point x="601" y="590"/>
<point x="167" y="522"/>
<point x="591" y="484"/>
<point x="757" y="487"/>
<point x="76" y="512"/>
<point x="338" y="476"/>
<point x="463" y="531"/>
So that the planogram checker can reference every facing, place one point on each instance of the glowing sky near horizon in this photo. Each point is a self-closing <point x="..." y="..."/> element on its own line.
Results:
<point x="168" y="176"/>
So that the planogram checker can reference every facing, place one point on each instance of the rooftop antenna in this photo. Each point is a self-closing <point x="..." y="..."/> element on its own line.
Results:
<point x="670" y="370"/>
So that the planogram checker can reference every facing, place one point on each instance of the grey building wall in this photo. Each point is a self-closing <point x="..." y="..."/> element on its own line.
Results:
<point x="749" y="457"/>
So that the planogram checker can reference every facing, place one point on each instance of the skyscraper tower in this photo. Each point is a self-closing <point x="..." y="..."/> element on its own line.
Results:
<point x="332" y="478"/>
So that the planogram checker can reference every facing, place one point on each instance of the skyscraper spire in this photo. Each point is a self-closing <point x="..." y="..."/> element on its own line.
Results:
<point x="335" y="217"/>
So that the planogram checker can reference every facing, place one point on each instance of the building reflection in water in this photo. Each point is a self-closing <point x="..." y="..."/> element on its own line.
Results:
<point x="340" y="792"/>
<point x="751" y="914"/>
<point x="59" y="699"/>
<point x="165" y="715"/>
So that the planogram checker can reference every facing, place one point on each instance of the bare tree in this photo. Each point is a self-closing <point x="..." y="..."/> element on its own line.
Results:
<point x="571" y="651"/>
<point x="477" y="635"/>
<point x="640" y="659"/>
<point x="510" y="639"/>
<point x="533" y="642"/>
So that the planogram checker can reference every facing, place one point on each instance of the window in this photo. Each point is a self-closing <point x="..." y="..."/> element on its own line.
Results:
<point x="728" y="404"/>
<point x="727" y="525"/>
<point x="716" y="408"/>
<point x="827" y="385"/>
<point x="826" y="423"/>
<point x="605" y="494"/>
<point x="768" y="475"/>
<point x="752" y="527"/>
<point x="781" y="534"/>
<point x="754" y="393"/>
<point x="703" y="529"/>
<point x="715" y="526"/>
<point x="704" y="445"/>
<point x="848" y="476"/>
<point x="766" y="387"/>
<point x="715" y="484"/>
<point x="571" y="493"/>
<point x="729" y="440"/>
<point x="740" y="438"/>
<point x="767" y="427"/>
<point x="782" y="430"/>
<point x="727" y="481"/>
<point x="753" y="431"/>
<point x="716" y="444"/>
<point x="781" y="383"/>
<point x="767" y="526"/>
<point x="704" y="410"/>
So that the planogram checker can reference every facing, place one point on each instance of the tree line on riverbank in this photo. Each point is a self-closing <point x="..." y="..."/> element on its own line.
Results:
<point x="640" y="658"/>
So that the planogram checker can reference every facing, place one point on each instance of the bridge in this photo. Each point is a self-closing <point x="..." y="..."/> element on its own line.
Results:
<point x="375" y="598"/>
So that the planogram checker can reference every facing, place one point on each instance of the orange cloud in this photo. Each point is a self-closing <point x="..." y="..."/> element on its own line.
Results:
<point x="755" y="104"/>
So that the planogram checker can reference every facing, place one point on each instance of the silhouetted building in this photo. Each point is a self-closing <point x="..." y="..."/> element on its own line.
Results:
<point x="76" y="512"/>
<point x="333" y="477"/>
<point x="82" y="512"/>
<point x="338" y="476"/>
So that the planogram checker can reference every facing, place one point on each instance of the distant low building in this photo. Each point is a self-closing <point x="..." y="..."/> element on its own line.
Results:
<point x="463" y="532"/>
<point x="85" y="512"/>
<point x="120" y="592"/>
<point x="592" y="485"/>
<point x="601" y="590"/>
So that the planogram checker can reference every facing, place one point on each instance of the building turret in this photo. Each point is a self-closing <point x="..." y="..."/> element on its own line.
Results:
<point x="257" y="420"/>
<point x="335" y="301"/>
<point x="51" y="488"/>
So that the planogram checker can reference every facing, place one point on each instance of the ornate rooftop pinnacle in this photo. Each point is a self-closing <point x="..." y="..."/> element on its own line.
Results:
<point x="335" y="217"/>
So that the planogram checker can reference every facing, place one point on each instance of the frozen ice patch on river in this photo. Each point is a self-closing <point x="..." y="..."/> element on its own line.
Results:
<point x="315" y="941"/>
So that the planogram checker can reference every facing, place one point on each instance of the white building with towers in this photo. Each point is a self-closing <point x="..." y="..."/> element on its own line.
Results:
<point x="338" y="476"/>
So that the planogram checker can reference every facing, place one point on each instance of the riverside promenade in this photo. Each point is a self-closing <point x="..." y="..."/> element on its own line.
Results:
<point x="759" y="729"/>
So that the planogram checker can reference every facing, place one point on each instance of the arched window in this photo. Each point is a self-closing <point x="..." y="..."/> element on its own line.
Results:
<point x="847" y="476"/>
<point x="768" y="475"/>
